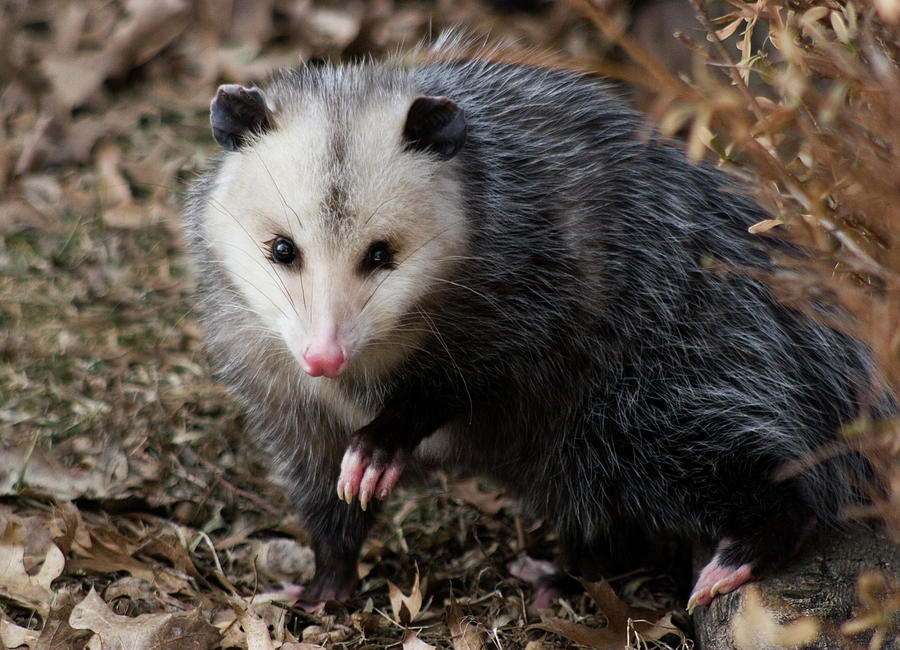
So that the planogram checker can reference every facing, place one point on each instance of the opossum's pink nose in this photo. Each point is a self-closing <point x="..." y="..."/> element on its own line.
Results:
<point x="324" y="358"/>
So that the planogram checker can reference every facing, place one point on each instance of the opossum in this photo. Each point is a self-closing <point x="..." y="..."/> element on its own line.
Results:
<point x="495" y="269"/>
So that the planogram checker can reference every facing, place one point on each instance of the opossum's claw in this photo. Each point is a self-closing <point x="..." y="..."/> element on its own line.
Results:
<point x="716" y="578"/>
<point x="353" y="468"/>
<point x="369" y="472"/>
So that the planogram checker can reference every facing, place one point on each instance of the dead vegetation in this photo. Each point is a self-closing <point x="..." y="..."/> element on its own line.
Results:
<point x="132" y="509"/>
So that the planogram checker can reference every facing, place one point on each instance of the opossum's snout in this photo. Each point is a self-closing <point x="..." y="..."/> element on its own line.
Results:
<point x="322" y="350"/>
<point x="324" y="357"/>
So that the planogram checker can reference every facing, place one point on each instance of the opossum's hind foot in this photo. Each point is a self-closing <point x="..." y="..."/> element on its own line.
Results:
<point x="336" y="585"/>
<point x="369" y="472"/>
<point x="718" y="577"/>
<point x="549" y="583"/>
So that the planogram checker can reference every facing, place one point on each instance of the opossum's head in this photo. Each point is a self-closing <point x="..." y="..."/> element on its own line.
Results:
<point x="336" y="212"/>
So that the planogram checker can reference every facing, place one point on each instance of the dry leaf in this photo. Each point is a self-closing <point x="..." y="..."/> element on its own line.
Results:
<point x="879" y="600"/>
<point x="257" y="632"/>
<point x="57" y="633"/>
<point x="764" y="226"/>
<point x="618" y="614"/>
<point x="488" y="501"/>
<point x="76" y="79"/>
<point x="600" y="638"/>
<point x="648" y="631"/>
<point x="13" y="636"/>
<point x="145" y="631"/>
<point x="283" y="559"/>
<point x="67" y="527"/>
<point x="251" y="21"/>
<point x="464" y="633"/>
<point x="46" y="474"/>
<point x="411" y="641"/>
<point x="405" y="608"/>
<point x="110" y="551"/>
<point x="32" y="592"/>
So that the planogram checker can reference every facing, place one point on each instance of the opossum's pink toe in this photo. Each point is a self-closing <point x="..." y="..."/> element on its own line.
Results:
<point x="390" y="477"/>
<point x="379" y="479"/>
<point x="716" y="578"/>
<point x="353" y="469"/>
<point x="369" y="474"/>
<point x="368" y="484"/>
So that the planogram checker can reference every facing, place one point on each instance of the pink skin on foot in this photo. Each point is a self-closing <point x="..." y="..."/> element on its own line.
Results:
<point x="532" y="571"/>
<point x="309" y="599"/>
<point x="716" y="579"/>
<point x="363" y="476"/>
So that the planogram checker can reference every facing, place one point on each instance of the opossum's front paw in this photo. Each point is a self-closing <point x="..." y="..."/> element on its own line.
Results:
<point x="717" y="578"/>
<point x="368" y="471"/>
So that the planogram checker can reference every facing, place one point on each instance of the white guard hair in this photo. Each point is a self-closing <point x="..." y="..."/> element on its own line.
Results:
<point x="335" y="182"/>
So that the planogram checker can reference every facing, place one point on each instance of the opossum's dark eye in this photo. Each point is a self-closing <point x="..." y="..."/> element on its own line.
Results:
<point x="379" y="256"/>
<point x="283" y="250"/>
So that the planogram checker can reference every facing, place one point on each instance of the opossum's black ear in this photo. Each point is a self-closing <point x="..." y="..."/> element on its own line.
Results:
<point x="435" y="124"/>
<point x="236" y="113"/>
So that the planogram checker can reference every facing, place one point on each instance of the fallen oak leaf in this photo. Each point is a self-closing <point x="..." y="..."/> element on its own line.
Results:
<point x="13" y="636"/>
<point x="182" y="630"/>
<point x="76" y="78"/>
<point x="464" y="634"/>
<point x="617" y="612"/>
<point x="411" y="641"/>
<point x="257" y="632"/>
<point x="487" y="501"/>
<point x="601" y="638"/>
<point x="405" y="608"/>
<point x="57" y="633"/>
<point x="67" y="527"/>
<point x="257" y="624"/>
<point x="110" y="551"/>
<point x="648" y="631"/>
<point x="32" y="592"/>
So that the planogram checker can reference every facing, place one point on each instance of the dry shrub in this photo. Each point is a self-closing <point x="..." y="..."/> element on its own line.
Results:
<point x="812" y="120"/>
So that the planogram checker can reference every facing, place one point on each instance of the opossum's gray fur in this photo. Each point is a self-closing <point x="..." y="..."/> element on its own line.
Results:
<point x="614" y="376"/>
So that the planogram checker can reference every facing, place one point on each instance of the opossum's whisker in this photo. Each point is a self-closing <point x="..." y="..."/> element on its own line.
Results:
<point x="249" y="283"/>
<point x="266" y="267"/>
<point x="408" y="256"/>
<point x="372" y="294"/>
<point x="421" y="246"/>
<point x="377" y="208"/>
<point x="284" y="202"/>
<point x="486" y="297"/>
<point x="439" y="337"/>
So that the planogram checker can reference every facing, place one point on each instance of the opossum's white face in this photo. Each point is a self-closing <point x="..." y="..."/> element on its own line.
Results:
<point x="334" y="232"/>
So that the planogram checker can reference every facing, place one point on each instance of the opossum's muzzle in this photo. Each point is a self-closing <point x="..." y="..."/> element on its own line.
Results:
<point x="324" y="358"/>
